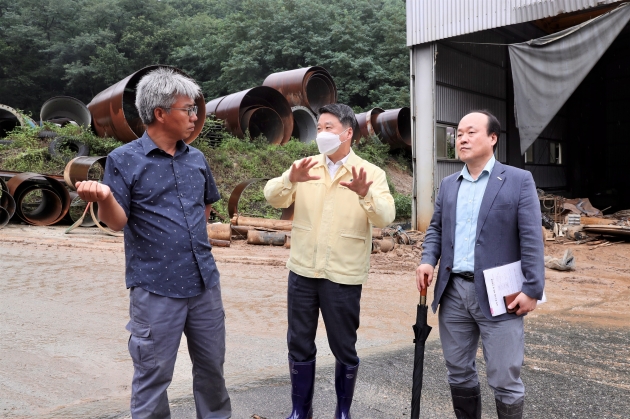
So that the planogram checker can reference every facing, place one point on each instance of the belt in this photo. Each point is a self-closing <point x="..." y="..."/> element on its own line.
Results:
<point x="466" y="276"/>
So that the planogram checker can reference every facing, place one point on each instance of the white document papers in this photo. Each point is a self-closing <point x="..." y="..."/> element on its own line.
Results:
<point x="501" y="281"/>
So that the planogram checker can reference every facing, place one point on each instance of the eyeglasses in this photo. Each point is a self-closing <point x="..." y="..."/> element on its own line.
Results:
<point x="191" y="111"/>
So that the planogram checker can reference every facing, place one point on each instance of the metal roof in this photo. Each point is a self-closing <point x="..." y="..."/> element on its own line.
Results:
<point x="431" y="20"/>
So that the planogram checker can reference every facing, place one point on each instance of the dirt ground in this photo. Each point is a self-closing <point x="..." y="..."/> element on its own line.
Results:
<point x="63" y="351"/>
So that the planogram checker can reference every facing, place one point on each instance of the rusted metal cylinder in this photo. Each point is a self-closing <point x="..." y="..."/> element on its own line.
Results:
<point x="377" y="233"/>
<point x="11" y="118"/>
<point x="274" y="238"/>
<point x="240" y="232"/>
<point x="312" y="87"/>
<point x="261" y="110"/>
<point x="115" y="115"/>
<point x="262" y="223"/>
<point x="65" y="107"/>
<point x="7" y="204"/>
<point x="287" y="241"/>
<point x="49" y="207"/>
<point x="219" y="243"/>
<point x="304" y="124"/>
<point x="394" y="127"/>
<point x="84" y="168"/>
<point x="219" y="231"/>
<point x="366" y="122"/>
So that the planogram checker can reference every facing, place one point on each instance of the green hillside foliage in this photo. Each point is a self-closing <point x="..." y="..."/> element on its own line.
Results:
<point x="80" y="47"/>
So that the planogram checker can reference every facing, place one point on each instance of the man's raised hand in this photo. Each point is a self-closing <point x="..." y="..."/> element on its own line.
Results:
<point x="359" y="184"/>
<point x="91" y="191"/>
<point x="300" y="170"/>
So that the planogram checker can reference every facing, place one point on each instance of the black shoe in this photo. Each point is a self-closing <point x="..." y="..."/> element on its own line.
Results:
<point x="345" y="379"/>
<point x="466" y="402"/>
<point x="510" y="411"/>
<point x="302" y="383"/>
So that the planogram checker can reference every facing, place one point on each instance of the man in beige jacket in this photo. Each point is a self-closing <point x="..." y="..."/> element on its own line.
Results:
<point x="338" y="197"/>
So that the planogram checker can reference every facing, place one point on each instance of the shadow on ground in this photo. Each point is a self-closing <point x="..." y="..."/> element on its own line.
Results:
<point x="569" y="372"/>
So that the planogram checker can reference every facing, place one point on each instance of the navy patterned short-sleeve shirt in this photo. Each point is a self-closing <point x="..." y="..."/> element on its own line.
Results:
<point x="164" y="197"/>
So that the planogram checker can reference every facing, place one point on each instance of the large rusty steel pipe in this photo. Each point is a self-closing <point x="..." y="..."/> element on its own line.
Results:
<point x="312" y="87"/>
<point x="304" y="124"/>
<point x="84" y="168"/>
<point x="366" y="122"/>
<point x="394" y="127"/>
<point x="7" y="204"/>
<point x="51" y="208"/>
<point x="65" y="107"/>
<point x="115" y="115"/>
<point x="261" y="110"/>
<point x="11" y="118"/>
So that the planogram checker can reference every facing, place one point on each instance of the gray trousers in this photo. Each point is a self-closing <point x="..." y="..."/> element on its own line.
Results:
<point x="156" y="328"/>
<point x="461" y="324"/>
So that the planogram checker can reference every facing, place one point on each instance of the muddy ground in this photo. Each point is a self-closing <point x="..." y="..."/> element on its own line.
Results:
<point x="63" y="351"/>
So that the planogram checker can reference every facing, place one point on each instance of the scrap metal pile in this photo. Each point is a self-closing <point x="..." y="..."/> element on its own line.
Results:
<point x="44" y="200"/>
<point x="576" y="221"/>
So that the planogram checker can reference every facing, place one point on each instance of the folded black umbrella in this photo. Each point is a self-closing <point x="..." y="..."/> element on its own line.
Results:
<point x="421" y="332"/>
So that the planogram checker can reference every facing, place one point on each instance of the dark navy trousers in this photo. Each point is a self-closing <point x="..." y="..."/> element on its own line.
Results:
<point x="340" y="306"/>
<point x="156" y="328"/>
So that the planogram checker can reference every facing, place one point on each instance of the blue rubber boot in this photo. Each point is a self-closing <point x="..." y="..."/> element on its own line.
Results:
<point x="345" y="379"/>
<point x="302" y="383"/>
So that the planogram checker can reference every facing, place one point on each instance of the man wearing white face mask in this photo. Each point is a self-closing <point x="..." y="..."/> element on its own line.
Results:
<point x="338" y="197"/>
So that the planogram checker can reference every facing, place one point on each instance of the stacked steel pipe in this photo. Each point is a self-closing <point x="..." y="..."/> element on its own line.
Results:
<point x="259" y="111"/>
<point x="65" y="108"/>
<point x="39" y="199"/>
<point x="115" y="115"/>
<point x="306" y="90"/>
<point x="11" y="118"/>
<point x="7" y="204"/>
<point x="393" y="126"/>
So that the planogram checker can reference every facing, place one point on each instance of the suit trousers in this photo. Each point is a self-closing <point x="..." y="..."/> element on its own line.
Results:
<point x="461" y="324"/>
<point x="156" y="328"/>
<point x="340" y="307"/>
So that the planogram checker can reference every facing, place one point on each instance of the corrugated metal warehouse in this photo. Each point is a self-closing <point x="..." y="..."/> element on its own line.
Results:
<point x="460" y="61"/>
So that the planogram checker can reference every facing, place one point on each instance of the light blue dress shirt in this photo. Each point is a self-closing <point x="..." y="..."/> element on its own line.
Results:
<point x="467" y="212"/>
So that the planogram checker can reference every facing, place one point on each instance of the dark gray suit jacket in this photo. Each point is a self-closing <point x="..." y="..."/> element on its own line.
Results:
<point x="508" y="230"/>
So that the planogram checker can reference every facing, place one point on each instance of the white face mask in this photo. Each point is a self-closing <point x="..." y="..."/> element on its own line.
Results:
<point x="328" y="143"/>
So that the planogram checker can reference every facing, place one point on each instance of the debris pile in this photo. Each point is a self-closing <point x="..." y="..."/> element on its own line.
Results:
<point x="576" y="221"/>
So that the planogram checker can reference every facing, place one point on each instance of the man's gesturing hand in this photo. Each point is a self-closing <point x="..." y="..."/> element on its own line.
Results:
<point x="91" y="191"/>
<point x="421" y="271"/>
<point x="359" y="184"/>
<point x="300" y="170"/>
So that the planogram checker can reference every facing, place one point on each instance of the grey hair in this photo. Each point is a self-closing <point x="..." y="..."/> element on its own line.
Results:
<point x="344" y="113"/>
<point x="160" y="88"/>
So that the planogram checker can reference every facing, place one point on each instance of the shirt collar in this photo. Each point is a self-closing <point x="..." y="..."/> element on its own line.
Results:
<point x="486" y="169"/>
<point x="339" y="163"/>
<point x="148" y="145"/>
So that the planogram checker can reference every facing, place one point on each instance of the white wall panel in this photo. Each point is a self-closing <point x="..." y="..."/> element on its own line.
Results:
<point x="432" y="20"/>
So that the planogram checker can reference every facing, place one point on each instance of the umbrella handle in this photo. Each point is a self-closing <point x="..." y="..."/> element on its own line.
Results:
<point x="423" y="293"/>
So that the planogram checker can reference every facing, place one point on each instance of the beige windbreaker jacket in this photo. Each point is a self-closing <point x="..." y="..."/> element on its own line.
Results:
<point x="332" y="228"/>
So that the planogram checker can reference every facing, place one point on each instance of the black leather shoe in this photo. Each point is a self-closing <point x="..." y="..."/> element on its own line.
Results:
<point x="466" y="402"/>
<point x="510" y="411"/>
<point x="302" y="384"/>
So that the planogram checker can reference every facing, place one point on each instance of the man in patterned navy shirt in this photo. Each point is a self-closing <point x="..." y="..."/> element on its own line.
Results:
<point x="159" y="190"/>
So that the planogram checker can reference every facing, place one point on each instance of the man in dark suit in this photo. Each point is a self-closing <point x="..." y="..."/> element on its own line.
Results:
<point x="487" y="215"/>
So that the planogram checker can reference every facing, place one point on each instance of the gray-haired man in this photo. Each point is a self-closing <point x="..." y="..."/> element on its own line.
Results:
<point x="159" y="189"/>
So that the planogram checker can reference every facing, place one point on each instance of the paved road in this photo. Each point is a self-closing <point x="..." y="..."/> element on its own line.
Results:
<point x="569" y="372"/>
